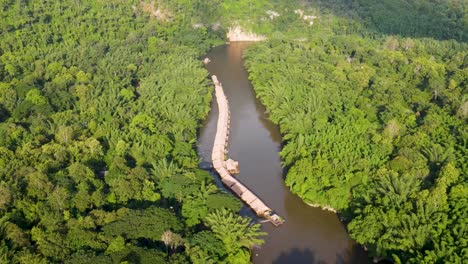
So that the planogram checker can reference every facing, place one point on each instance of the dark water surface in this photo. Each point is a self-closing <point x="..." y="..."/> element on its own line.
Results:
<point x="310" y="235"/>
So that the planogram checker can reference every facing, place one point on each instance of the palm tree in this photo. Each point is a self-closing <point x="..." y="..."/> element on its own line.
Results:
<point x="162" y="168"/>
<point x="437" y="154"/>
<point x="235" y="231"/>
<point x="397" y="188"/>
<point x="206" y="189"/>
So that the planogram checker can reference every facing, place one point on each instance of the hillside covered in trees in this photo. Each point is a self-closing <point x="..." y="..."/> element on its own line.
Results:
<point x="375" y="125"/>
<point x="100" y="102"/>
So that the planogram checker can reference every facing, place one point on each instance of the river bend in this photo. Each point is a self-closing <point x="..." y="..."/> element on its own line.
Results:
<point x="309" y="235"/>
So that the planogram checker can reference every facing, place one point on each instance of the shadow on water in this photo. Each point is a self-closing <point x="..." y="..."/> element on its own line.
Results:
<point x="306" y="256"/>
<point x="297" y="256"/>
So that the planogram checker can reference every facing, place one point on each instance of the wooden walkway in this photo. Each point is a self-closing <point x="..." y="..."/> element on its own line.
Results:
<point x="219" y="160"/>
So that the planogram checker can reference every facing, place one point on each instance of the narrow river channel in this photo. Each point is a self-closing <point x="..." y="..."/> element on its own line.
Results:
<point x="309" y="235"/>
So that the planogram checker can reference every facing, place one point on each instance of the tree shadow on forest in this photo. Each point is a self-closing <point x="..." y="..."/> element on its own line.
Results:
<point x="441" y="20"/>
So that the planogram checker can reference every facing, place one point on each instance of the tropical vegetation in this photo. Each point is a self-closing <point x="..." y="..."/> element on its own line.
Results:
<point x="100" y="102"/>
<point x="374" y="125"/>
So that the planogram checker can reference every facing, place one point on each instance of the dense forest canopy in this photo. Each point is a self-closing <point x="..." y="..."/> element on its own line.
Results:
<point x="438" y="19"/>
<point x="375" y="125"/>
<point x="100" y="102"/>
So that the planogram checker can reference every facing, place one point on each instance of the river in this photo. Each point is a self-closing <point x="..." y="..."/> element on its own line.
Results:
<point x="309" y="235"/>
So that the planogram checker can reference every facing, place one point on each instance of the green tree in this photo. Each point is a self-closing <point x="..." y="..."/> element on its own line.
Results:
<point x="236" y="233"/>
<point x="34" y="96"/>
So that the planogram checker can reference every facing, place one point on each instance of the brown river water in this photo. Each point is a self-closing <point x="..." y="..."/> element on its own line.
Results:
<point x="309" y="235"/>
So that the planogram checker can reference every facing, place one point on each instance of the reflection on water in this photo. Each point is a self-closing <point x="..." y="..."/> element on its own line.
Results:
<point x="310" y="235"/>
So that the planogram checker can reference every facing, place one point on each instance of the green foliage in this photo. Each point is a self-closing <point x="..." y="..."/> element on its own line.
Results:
<point x="138" y="255"/>
<point x="405" y="218"/>
<point x="372" y="128"/>
<point x="205" y="200"/>
<point x="34" y="96"/>
<point x="100" y="103"/>
<point x="206" y="246"/>
<point x="236" y="233"/>
<point x="149" y="223"/>
<point x="439" y="19"/>
<point x="118" y="244"/>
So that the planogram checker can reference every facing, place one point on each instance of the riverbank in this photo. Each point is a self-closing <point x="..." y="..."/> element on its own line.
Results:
<point x="238" y="34"/>
<point x="326" y="208"/>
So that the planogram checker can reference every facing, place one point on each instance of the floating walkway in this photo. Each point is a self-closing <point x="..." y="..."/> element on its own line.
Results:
<point x="225" y="168"/>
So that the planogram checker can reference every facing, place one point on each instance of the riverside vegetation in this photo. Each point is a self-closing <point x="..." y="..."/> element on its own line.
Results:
<point x="375" y="126"/>
<point x="100" y="102"/>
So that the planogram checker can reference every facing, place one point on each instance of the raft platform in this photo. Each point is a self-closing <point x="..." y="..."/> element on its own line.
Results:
<point x="224" y="168"/>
